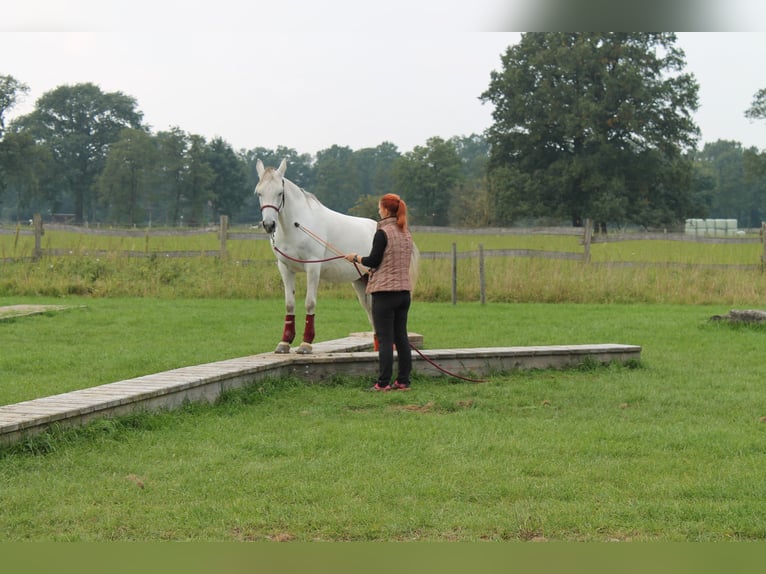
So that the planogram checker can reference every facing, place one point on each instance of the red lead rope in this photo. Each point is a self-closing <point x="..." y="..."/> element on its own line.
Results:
<point x="443" y="370"/>
<point x="286" y="256"/>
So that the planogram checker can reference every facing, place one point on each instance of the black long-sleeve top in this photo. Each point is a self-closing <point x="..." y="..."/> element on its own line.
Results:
<point x="379" y="243"/>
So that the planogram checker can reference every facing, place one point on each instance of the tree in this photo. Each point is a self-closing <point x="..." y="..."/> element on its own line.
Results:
<point x="426" y="178"/>
<point x="16" y="152"/>
<point x="78" y="124"/>
<point x="592" y="125"/>
<point x="757" y="109"/>
<point x="172" y="149"/>
<point x="366" y="206"/>
<point x="197" y="182"/>
<point x="229" y="186"/>
<point x="474" y="154"/>
<point x="11" y="91"/>
<point x="471" y="203"/>
<point x="125" y="183"/>
<point x="375" y="166"/>
<point x="337" y="182"/>
<point x="733" y="194"/>
<point x="24" y="167"/>
<point x="755" y="161"/>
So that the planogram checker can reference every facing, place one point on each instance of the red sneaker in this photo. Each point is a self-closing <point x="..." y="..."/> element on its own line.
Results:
<point x="377" y="388"/>
<point x="397" y="386"/>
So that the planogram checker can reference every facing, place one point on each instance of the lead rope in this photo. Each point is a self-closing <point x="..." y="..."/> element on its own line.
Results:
<point x="328" y="245"/>
<point x="443" y="370"/>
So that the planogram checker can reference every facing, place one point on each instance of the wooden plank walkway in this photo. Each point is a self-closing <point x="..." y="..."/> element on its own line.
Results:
<point x="348" y="356"/>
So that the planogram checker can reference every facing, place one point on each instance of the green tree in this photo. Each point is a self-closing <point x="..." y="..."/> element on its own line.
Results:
<point x="229" y="186"/>
<point x="78" y="124"/>
<point x="733" y="193"/>
<point x="366" y="206"/>
<point x="474" y="154"/>
<point x="11" y="91"/>
<point x="337" y="183"/>
<point x="24" y="166"/>
<point x="592" y="125"/>
<point x="197" y="189"/>
<point x="757" y="109"/>
<point x="426" y="179"/>
<point x="15" y="150"/>
<point x="184" y="178"/>
<point x="755" y="160"/>
<point x="172" y="146"/>
<point x="471" y="203"/>
<point x="375" y="166"/>
<point x="128" y="176"/>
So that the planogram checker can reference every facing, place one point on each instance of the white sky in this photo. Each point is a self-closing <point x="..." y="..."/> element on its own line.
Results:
<point x="308" y="74"/>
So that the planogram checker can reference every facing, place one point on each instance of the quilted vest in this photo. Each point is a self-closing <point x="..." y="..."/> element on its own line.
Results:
<point x="394" y="271"/>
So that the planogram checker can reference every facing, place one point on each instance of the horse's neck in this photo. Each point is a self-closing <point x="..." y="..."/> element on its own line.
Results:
<point x="297" y="208"/>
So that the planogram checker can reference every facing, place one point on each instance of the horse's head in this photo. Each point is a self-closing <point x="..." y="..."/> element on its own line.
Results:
<point x="271" y="193"/>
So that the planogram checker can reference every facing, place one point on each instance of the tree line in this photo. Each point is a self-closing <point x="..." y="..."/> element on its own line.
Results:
<point x="585" y="125"/>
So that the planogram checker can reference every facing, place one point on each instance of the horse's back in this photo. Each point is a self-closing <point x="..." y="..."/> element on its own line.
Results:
<point x="349" y="233"/>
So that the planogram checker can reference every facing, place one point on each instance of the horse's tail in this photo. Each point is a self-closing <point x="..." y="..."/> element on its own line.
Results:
<point x="414" y="263"/>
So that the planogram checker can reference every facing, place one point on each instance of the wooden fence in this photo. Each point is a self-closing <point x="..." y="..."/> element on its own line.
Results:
<point x="586" y="233"/>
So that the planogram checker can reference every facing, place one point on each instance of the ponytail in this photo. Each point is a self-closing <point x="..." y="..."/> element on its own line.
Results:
<point x="396" y="206"/>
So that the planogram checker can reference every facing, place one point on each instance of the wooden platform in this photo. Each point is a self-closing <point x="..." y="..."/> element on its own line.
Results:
<point x="352" y="355"/>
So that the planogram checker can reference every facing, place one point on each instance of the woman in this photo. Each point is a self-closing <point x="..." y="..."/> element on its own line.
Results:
<point x="390" y="287"/>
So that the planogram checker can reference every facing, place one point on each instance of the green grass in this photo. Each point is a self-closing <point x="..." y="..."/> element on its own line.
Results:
<point x="507" y="280"/>
<point x="669" y="450"/>
<point x="647" y="271"/>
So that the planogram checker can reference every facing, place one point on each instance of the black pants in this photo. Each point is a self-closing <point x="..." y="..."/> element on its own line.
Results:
<point x="389" y="315"/>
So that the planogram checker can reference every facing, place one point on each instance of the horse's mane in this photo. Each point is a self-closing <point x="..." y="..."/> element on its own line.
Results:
<point x="307" y="194"/>
<point x="270" y="171"/>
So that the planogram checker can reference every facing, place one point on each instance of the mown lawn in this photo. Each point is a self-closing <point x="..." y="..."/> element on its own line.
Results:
<point x="669" y="450"/>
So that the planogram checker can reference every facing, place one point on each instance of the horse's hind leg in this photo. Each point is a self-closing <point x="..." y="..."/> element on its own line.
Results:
<point x="365" y="300"/>
<point x="288" y="334"/>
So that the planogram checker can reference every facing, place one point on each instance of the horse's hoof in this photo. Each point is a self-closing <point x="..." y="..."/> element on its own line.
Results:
<point x="304" y="349"/>
<point x="283" y="348"/>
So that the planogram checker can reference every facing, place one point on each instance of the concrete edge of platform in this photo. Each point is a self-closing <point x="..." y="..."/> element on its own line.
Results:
<point x="350" y="356"/>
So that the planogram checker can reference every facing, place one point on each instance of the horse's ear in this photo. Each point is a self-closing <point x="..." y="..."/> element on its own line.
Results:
<point x="259" y="168"/>
<point x="282" y="167"/>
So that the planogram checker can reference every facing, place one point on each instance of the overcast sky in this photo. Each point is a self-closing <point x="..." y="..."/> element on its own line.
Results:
<point x="308" y="74"/>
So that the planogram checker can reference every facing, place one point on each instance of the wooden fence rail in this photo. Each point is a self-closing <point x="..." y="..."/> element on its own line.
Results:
<point x="588" y="238"/>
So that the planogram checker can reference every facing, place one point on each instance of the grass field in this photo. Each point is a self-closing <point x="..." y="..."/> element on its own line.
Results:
<point x="647" y="271"/>
<point x="669" y="450"/>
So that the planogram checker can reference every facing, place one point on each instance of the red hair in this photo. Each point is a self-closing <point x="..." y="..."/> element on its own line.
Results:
<point x="396" y="207"/>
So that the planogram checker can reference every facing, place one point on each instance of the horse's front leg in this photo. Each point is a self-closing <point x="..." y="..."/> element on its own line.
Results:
<point x="312" y="284"/>
<point x="288" y="334"/>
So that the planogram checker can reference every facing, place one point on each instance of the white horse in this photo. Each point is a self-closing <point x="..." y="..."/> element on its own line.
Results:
<point x="310" y="238"/>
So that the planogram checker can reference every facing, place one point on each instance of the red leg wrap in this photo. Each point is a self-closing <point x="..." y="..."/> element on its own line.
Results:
<point x="308" y="330"/>
<point x="289" y="333"/>
<point x="375" y="342"/>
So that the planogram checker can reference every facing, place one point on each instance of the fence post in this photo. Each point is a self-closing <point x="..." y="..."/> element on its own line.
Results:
<point x="763" y="243"/>
<point x="587" y="239"/>
<point x="482" y="284"/>
<point x="223" y="235"/>
<point x="37" y="221"/>
<point x="454" y="273"/>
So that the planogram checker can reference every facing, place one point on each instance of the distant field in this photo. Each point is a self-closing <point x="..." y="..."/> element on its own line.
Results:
<point x="651" y="271"/>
